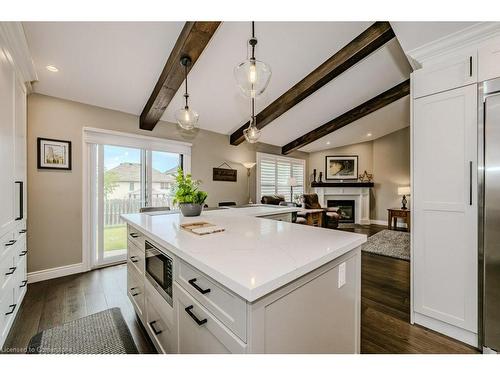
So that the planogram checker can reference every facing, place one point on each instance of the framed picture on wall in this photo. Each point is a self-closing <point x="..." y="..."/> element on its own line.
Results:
<point x="53" y="154"/>
<point x="341" y="167"/>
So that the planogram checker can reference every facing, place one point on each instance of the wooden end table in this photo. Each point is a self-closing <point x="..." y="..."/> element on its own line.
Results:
<point x="394" y="213"/>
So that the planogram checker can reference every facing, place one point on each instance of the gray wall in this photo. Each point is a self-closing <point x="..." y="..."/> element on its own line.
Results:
<point x="55" y="197"/>
<point x="388" y="158"/>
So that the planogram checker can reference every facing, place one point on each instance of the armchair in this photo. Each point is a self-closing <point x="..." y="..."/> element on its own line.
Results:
<point x="311" y="201"/>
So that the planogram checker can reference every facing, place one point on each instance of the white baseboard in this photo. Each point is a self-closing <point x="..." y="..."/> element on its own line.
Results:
<point x="53" y="273"/>
<point x="457" y="333"/>
<point x="383" y="222"/>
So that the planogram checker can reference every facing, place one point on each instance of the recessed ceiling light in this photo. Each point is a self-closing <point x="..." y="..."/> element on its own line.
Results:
<point x="368" y="134"/>
<point x="328" y="142"/>
<point x="52" y="68"/>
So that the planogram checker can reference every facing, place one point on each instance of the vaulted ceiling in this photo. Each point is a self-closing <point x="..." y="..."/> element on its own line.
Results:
<point x="116" y="65"/>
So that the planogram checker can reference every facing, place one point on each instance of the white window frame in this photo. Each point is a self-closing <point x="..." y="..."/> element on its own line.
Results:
<point x="93" y="136"/>
<point x="276" y="158"/>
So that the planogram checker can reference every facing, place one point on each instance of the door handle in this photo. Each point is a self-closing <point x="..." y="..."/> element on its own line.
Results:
<point x="25" y="282"/>
<point x="195" y="318"/>
<point x="11" y="271"/>
<point x="197" y="287"/>
<point x="12" y="308"/>
<point x="152" y="325"/>
<point x="470" y="183"/>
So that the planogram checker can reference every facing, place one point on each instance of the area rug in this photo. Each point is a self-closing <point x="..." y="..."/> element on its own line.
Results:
<point x="390" y="243"/>
<point x="102" y="333"/>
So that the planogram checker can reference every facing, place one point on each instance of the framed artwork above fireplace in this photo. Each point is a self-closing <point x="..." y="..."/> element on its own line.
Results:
<point x="341" y="167"/>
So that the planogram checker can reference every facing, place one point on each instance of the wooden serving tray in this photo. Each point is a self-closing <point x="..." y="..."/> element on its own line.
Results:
<point x="200" y="224"/>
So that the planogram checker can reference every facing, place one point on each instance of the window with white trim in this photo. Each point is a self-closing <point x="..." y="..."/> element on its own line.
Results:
<point x="273" y="176"/>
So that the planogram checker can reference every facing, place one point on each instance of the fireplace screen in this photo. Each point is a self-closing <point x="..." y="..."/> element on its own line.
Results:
<point x="346" y="209"/>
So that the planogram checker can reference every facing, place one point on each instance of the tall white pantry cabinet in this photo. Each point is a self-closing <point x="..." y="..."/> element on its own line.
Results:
<point x="13" y="209"/>
<point x="445" y="276"/>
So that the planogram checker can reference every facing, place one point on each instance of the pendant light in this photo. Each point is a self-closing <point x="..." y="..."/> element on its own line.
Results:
<point x="252" y="133"/>
<point x="186" y="117"/>
<point x="252" y="75"/>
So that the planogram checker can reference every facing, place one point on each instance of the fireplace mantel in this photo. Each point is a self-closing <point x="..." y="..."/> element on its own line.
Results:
<point x="360" y="195"/>
<point x="342" y="184"/>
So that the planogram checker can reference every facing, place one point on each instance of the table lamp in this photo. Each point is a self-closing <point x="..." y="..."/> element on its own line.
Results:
<point x="292" y="181"/>
<point x="404" y="191"/>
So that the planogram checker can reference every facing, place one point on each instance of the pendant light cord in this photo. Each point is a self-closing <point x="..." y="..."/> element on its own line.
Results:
<point x="186" y="95"/>
<point x="253" y="40"/>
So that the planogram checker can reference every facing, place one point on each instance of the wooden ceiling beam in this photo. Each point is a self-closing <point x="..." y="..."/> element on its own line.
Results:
<point x="364" y="44"/>
<point x="379" y="101"/>
<point x="191" y="42"/>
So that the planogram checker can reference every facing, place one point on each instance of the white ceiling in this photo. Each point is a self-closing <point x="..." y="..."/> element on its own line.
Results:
<point x="116" y="65"/>
<point x="108" y="64"/>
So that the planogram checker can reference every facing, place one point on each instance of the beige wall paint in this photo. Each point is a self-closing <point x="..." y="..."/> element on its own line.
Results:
<point x="55" y="197"/>
<point x="391" y="168"/>
<point x="388" y="158"/>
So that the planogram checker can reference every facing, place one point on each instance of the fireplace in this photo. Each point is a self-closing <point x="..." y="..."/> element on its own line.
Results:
<point x="346" y="208"/>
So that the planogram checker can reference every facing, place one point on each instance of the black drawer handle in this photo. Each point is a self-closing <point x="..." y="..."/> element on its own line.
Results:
<point x="134" y="235"/>
<point x="25" y="282"/>
<point x="134" y="294"/>
<point x="22" y="231"/>
<point x="134" y="259"/>
<point x="11" y="271"/>
<point x="12" y="308"/>
<point x="23" y="253"/>
<point x="197" y="287"/>
<point x="152" y="325"/>
<point x="195" y="318"/>
<point x="10" y="243"/>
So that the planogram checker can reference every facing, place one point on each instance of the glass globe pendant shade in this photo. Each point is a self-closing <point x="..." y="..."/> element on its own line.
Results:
<point x="252" y="77"/>
<point x="252" y="133"/>
<point x="186" y="118"/>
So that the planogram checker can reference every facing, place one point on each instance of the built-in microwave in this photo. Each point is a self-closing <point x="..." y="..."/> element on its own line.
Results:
<point x="159" y="271"/>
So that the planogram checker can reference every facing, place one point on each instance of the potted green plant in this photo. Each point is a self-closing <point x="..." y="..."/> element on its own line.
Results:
<point x="187" y="195"/>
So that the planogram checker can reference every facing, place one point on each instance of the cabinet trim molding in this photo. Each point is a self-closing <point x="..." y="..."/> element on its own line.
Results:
<point x="469" y="36"/>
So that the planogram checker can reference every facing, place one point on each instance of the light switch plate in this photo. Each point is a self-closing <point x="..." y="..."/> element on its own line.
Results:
<point x="341" y="275"/>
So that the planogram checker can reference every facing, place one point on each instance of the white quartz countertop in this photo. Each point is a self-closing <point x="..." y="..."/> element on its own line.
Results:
<point x="253" y="256"/>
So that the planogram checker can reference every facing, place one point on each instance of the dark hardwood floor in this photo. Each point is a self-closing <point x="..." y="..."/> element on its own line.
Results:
<point x="57" y="301"/>
<point x="385" y="306"/>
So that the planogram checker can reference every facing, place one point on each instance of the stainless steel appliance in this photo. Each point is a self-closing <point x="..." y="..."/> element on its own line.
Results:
<point x="159" y="271"/>
<point x="489" y="213"/>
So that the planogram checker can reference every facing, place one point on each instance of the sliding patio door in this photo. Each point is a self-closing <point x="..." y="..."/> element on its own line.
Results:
<point x="125" y="173"/>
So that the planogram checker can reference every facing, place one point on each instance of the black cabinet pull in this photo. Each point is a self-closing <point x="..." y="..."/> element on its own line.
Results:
<point x="23" y="253"/>
<point x="25" y="282"/>
<point x="470" y="66"/>
<point x="11" y="271"/>
<point x="12" y="308"/>
<point x="21" y="200"/>
<point x="134" y="235"/>
<point x="197" y="287"/>
<point x="134" y="294"/>
<point x="134" y="259"/>
<point x="11" y="242"/>
<point x="195" y="318"/>
<point x="22" y="231"/>
<point x="470" y="183"/>
<point x="152" y="325"/>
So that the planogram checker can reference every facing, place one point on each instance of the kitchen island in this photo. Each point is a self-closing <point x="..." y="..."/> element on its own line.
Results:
<point x="263" y="285"/>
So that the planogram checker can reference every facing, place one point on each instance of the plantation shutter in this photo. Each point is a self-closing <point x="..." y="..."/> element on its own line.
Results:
<point x="273" y="172"/>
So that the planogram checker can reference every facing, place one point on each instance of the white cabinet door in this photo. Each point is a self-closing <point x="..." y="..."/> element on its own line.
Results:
<point x="489" y="60"/>
<point x="459" y="69"/>
<point x="445" y="207"/>
<point x="7" y="77"/>
<point x="20" y="165"/>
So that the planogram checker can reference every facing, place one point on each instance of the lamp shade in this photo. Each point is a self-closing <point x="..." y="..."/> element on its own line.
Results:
<point x="404" y="190"/>
<point x="292" y="181"/>
<point x="248" y="164"/>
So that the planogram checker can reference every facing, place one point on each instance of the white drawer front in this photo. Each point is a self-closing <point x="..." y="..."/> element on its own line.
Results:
<point x="8" y="310"/>
<point x="136" y="257"/>
<point x="160" y="321"/>
<point x="8" y="267"/>
<point x="7" y="242"/>
<point x="199" y="331"/>
<point x="135" y="236"/>
<point x="135" y="288"/>
<point x="226" y="306"/>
